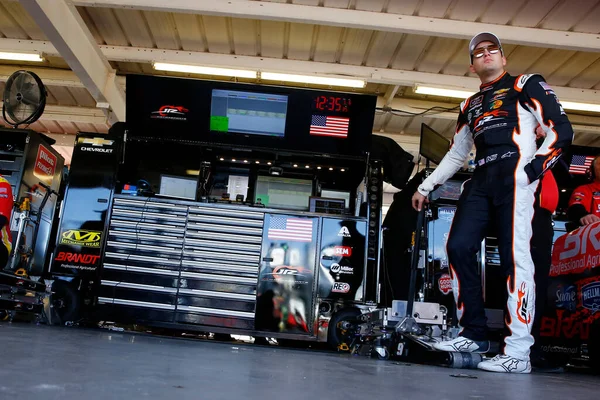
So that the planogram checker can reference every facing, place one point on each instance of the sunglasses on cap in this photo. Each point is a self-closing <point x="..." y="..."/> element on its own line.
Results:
<point x="479" y="52"/>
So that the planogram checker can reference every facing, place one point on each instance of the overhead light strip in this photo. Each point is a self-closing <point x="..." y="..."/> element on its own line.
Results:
<point x="313" y="79"/>
<point x="202" y="70"/>
<point x="33" y="57"/>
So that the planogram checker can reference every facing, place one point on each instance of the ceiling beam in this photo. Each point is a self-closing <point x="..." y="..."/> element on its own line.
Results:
<point x="50" y="76"/>
<point x="357" y="19"/>
<point x="370" y="74"/>
<point x="86" y="115"/>
<point x="61" y="23"/>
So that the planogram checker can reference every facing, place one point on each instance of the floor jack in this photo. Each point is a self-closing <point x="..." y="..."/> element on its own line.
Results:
<point x="408" y="330"/>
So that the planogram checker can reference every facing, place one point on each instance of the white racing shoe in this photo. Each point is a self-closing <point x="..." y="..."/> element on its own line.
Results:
<point x="463" y="344"/>
<point x="502" y="363"/>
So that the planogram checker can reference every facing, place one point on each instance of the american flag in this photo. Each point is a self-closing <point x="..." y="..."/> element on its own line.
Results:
<point x="580" y="164"/>
<point x="329" y="126"/>
<point x="295" y="229"/>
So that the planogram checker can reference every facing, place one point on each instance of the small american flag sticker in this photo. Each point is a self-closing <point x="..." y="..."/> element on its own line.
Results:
<point x="580" y="164"/>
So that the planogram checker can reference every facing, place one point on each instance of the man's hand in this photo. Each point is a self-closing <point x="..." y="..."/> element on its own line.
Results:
<point x="588" y="219"/>
<point x="418" y="200"/>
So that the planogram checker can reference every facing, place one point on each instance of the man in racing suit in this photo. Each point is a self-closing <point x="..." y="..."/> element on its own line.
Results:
<point x="584" y="204"/>
<point x="500" y="120"/>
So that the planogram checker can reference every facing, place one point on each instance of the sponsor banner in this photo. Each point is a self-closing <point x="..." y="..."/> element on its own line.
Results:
<point x="341" y="269"/>
<point x="176" y="113"/>
<point x="78" y="261"/>
<point x="344" y="251"/>
<point x="45" y="165"/>
<point x="96" y="145"/>
<point x="566" y="297"/>
<point x="80" y="237"/>
<point x="340" y="287"/>
<point x="590" y="296"/>
<point x="577" y="251"/>
<point x="445" y="284"/>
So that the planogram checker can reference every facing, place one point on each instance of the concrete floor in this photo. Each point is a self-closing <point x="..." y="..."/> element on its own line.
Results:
<point x="44" y="362"/>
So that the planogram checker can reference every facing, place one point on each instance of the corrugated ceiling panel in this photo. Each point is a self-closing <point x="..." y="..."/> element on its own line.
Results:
<point x="108" y="26"/>
<point x="135" y="27"/>
<point x="433" y="8"/>
<point x="306" y="2"/>
<point x="568" y="14"/>
<point x="89" y="22"/>
<point x="573" y="67"/>
<point x="8" y="27"/>
<point x="502" y="11"/>
<point x="589" y="23"/>
<point x="68" y="127"/>
<point x="439" y="53"/>
<point x="244" y="36"/>
<point x="85" y="127"/>
<point x="533" y="12"/>
<point x="82" y="97"/>
<point x="588" y="78"/>
<point x="458" y="64"/>
<point x="383" y="49"/>
<point x="300" y="41"/>
<point x="522" y="58"/>
<point x="162" y="27"/>
<point x="550" y="61"/>
<point x="370" y="5"/>
<point x="379" y="118"/>
<point x="271" y="38"/>
<point x="467" y="10"/>
<point x="336" y="3"/>
<point x="397" y="124"/>
<point x="327" y="43"/>
<point x="52" y="126"/>
<point x="411" y="49"/>
<point x="63" y="96"/>
<point x="355" y="47"/>
<point x="101" y="128"/>
<point x="216" y="34"/>
<point x="190" y="32"/>
<point x="24" y="20"/>
<point x="407" y="7"/>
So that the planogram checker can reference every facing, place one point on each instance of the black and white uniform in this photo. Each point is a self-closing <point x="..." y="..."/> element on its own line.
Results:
<point x="500" y="120"/>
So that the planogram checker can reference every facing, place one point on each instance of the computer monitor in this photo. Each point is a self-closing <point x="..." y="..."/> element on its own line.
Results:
<point x="280" y="192"/>
<point x="337" y="194"/>
<point x="248" y="113"/>
<point x="178" y="187"/>
<point x="433" y="146"/>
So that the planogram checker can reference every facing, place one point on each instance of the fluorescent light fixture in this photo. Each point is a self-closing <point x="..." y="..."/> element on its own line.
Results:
<point x="570" y="105"/>
<point x="20" y="56"/>
<point x="433" y="91"/>
<point x="197" y="69"/>
<point x="312" y="79"/>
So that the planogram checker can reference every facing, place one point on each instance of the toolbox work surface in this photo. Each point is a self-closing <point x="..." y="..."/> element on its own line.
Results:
<point x="41" y="362"/>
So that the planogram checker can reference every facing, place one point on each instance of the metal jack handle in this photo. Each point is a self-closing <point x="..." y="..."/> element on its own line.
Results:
<point x="408" y="324"/>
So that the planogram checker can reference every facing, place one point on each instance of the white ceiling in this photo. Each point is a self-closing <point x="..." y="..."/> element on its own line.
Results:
<point x="392" y="44"/>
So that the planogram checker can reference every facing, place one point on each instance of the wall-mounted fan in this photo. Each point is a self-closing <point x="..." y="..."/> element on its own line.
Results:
<point x="24" y="98"/>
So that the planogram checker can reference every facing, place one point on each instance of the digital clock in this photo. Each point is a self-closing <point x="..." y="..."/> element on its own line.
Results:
<point x="333" y="104"/>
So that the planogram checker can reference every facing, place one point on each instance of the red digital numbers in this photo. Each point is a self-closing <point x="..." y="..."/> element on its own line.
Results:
<point x="332" y="104"/>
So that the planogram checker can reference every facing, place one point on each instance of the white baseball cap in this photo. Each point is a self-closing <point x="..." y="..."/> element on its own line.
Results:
<point x="483" y="37"/>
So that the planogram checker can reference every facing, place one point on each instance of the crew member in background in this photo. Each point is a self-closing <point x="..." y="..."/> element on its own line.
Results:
<point x="584" y="204"/>
<point x="500" y="120"/>
<point x="6" y="210"/>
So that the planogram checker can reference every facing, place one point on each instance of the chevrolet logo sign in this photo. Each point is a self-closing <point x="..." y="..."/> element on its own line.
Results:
<point x="96" y="141"/>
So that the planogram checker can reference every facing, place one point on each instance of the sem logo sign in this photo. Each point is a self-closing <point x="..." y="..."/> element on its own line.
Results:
<point x="340" y="287"/>
<point x="81" y="238"/>
<point x="344" y="251"/>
